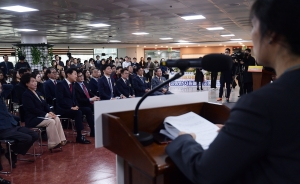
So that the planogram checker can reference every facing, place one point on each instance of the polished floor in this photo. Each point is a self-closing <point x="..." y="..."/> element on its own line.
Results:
<point x="82" y="164"/>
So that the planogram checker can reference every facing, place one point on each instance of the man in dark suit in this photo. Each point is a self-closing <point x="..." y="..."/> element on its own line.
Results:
<point x="50" y="85"/>
<point x="66" y="103"/>
<point x="24" y="137"/>
<point x="139" y="83"/>
<point x="157" y="80"/>
<point x="93" y="84"/>
<point x="123" y="85"/>
<point x="21" y="63"/>
<point x="58" y="61"/>
<point x="98" y="63"/>
<point x="5" y="66"/>
<point x="84" y="96"/>
<point x="106" y="84"/>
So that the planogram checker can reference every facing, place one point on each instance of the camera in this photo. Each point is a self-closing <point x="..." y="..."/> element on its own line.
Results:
<point x="239" y="56"/>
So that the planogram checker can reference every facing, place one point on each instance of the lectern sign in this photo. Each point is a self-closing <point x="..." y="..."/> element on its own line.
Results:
<point x="255" y="68"/>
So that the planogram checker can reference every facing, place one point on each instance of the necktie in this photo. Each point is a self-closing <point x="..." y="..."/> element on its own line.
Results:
<point x="55" y="82"/>
<point x="110" y="86"/>
<point x="142" y="79"/>
<point x="6" y="67"/>
<point x="71" y="89"/>
<point x="86" y="92"/>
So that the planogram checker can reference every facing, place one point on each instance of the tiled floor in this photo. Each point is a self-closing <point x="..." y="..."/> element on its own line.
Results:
<point x="81" y="164"/>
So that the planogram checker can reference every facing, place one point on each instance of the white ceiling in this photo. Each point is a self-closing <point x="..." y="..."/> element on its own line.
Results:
<point x="60" y="19"/>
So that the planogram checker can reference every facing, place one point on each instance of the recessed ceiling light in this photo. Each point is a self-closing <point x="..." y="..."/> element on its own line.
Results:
<point x="161" y="46"/>
<point x="144" y="46"/>
<point x="167" y="46"/>
<point x="140" y="33"/>
<point x="182" y="41"/>
<point x="237" y="39"/>
<point x="79" y="36"/>
<point x="205" y="46"/>
<point x="193" y="17"/>
<point x="26" y="30"/>
<point x="137" y="45"/>
<point x="114" y="41"/>
<point x="166" y="38"/>
<point x="220" y="44"/>
<point x="186" y="46"/>
<point x="198" y="45"/>
<point x="214" y="28"/>
<point x="155" y="45"/>
<point x="19" y="8"/>
<point x="225" y="35"/>
<point x="99" y="25"/>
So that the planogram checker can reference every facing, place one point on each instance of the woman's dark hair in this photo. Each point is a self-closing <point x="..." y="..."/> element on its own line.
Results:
<point x="277" y="16"/>
<point x="26" y="78"/>
<point x="84" y="72"/>
<point x="60" y="75"/>
<point x="91" y="59"/>
<point x="14" y="77"/>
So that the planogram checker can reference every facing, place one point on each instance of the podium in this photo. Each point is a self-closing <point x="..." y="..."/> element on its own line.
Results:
<point x="260" y="76"/>
<point x="150" y="164"/>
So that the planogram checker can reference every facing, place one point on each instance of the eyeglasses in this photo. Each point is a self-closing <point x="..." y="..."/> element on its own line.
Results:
<point x="79" y="75"/>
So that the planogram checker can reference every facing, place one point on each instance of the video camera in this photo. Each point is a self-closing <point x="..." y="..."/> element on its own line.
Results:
<point x="239" y="56"/>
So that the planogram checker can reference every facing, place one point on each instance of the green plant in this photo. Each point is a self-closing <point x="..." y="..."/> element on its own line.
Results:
<point x="20" y="52"/>
<point x="50" y="54"/>
<point x="36" y="55"/>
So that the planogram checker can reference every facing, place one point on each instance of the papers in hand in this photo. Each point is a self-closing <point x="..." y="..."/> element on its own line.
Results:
<point x="190" y="122"/>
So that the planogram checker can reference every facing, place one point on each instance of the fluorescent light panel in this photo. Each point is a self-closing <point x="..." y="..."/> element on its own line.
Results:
<point x="140" y="33"/>
<point x="19" y="8"/>
<point x="25" y="30"/>
<point x="166" y="38"/>
<point x="114" y="41"/>
<point x="79" y="36"/>
<point x="182" y="41"/>
<point x="193" y="17"/>
<point x="226" y="35"/>
<point x="99" y="25"/>
<point x="214" y="28"/>
<point x="237" y="39"/>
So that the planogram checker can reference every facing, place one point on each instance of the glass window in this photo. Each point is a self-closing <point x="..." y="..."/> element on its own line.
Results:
<point x="113" y="52"/>
<point x="158" y="54"/>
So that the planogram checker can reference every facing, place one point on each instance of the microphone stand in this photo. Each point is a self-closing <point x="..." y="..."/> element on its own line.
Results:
<point x="144" y="137"/>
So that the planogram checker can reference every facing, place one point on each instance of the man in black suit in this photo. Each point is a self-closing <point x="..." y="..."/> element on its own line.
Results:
<point x="106" y="84"/>
<point x="139" y="83"/>
<point x="93" y="84"/>
<point x="5" y="66"/>
<point x="157" y="80"/>
<point x="58" y="61"/>
<point x="9" y="129"/>
<point x="21" y="63"/>
<point x="67" y="105"/>
<point x="50" y="85"/>
<point x="98" y="63"/>
<point x="123" y="85"/>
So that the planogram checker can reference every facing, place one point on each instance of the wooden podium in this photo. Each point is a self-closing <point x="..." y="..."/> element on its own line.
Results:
<point x="150" y="164"/>
<point x="260" y="76"/>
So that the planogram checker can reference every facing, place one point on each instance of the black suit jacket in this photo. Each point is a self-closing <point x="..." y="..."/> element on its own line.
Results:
<point x="104" y="89"/>
<point x="65" y="100"/>
<point x="93" y="85"/>
<point x="258" y="144"/>
<point x="5" y="69"/>
<point x="124" y="89"/>
<point x="34" y="107"/>
<point x="49" y="89"/>
<point x="81" y="98"/>
<point x="139" y="86"/>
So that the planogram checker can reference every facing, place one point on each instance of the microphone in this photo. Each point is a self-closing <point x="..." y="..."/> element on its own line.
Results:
<point x="210" y="62"/>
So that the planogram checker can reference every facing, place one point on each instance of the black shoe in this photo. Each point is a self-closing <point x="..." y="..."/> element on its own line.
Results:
<point x="197" y="89"/>
<point x="3" y="181"/>
<point x="201" y="89"/>
<point x="13" y="159"/>
<point x="82" y="140"/>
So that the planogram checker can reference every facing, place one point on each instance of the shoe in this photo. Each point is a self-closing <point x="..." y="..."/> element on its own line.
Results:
<point x="13" y="159"/>
<point x="55" y="147"/>
<point x="227" y="100"/>
<point x="201" y="89"/>
<point x="219" y="99"/>
<point x="82" y="140"/>
<point x="4" y="181"/>
<point x="64" y="142"/>
<point x="197" y="89"/>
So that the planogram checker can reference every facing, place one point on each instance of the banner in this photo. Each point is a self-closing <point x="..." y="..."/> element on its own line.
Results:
<point x="188" y="80"/>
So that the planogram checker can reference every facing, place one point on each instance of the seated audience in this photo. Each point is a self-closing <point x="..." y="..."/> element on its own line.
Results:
<point x="50" y="85"/>
<point x="106" y="84"/>
<point x="21" y="63"/>
<point x="36" y="109"/>
<point x="123" y="85"/>
<point x="93" y="84"/>
<point x="15" y="78"/>
<point x="62" y="75"/>
<point x="139" y="83"/>
<point x="2" y="78"/>
<point x="87" y="76"/>
<point x="40" y="84"/>
<point x="117" y="74"/>
<point x="131" y="74"/>
<point x="67" y="105"/>
<point x="157" y="80"/>
<point x="23" y="137"/>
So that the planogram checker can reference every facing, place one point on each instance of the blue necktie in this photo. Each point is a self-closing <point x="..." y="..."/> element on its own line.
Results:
<point x="110" y="86"/>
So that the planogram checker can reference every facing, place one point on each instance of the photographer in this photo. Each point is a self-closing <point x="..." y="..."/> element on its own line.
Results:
<point x="247" y="80"/>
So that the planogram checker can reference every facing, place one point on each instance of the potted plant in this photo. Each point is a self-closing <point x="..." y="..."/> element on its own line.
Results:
<point x="36" y="55"/>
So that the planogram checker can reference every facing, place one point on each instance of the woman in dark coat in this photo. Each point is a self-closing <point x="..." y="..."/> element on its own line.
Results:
<point x="199" y="77"/>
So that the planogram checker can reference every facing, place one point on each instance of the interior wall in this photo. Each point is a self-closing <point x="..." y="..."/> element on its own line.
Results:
<point x="121" y="53"/>
<point x="202" y="50"/>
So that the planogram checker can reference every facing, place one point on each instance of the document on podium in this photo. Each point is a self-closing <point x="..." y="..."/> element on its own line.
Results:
<point x="191" y="122"/>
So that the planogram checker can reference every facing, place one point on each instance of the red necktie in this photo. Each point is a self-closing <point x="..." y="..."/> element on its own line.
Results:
<point x="86" y="92"/>
<point x="70" y="86"/>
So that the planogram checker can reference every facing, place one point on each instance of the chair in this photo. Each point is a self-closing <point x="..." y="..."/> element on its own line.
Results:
<point x="8" y="143"/>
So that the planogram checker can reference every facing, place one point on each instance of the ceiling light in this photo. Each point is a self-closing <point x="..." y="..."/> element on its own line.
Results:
<point x="205" y="46"/>
<point x="114" y="41"/>
<point x="220" y="44"/>
<point x="99" y="25"/>
<point x="186" y="46"/>
<point x="161" y="46"/>
<point x="137" y="45"/>
<point x="182" y="41"/>
<point x="238" y="39"/>
<point x="18" y="8"/>
<point x="166" y="38"/>
<point x="79" y="36"/>
<point x="167" y="46"/>
<point x="214" y="28"/>
<point x="140" y="33"/>
<point x="193" y="17"/>
<point x="26" y="30"/>
<point x="155" y="45"/>
<point x="144" y="46"/>
<point x="198" y="45"/>
<point x="225" y="35"/>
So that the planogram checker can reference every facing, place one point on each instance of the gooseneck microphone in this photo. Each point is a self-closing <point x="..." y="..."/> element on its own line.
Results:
<point x="211" y="62"/>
